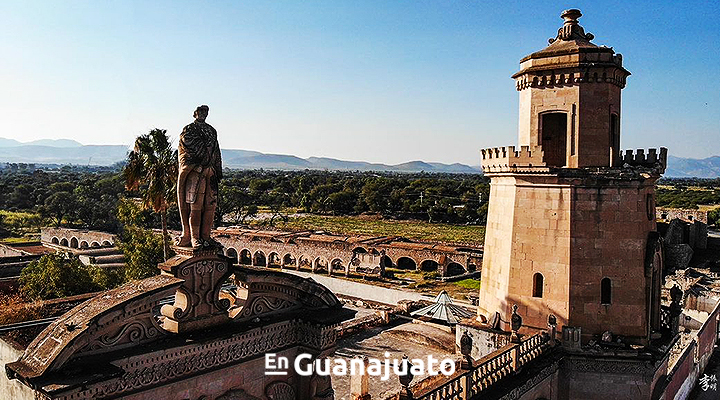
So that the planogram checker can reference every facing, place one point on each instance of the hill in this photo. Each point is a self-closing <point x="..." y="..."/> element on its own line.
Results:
<point x="64" y="151"/>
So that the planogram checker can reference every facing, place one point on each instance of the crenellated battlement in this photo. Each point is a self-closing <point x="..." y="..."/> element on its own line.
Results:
<point x="650" y="159"/>
<point x="504" y="159"/>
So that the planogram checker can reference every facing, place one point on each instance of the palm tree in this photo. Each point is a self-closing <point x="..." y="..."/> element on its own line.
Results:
<point x="153" y="164"/>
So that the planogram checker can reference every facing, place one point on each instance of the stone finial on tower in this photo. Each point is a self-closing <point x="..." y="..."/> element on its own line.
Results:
<point x="571" y="29"/>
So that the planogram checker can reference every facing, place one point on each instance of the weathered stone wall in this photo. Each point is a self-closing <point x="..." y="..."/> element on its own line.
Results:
<point x="248" y="376"/>
<point x="341" y="256"/>
<point x="610" y="228"/>
<point x="12" y="389"/>
<point x="497" y="260"/>
<point x="574" y="233"/>
<point x="7" y="251"/>
<point x="668" y="214"/>
<point x="484" y="340"/>
<point x="598" y="378"/>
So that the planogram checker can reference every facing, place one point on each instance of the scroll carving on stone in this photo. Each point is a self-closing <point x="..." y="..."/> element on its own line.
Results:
<point x="199" y="171"/>
<point x="280" y="391"/>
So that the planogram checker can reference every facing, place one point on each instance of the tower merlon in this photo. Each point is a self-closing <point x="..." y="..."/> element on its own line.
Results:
<point x="507" y="159"/>
<point x="650" y="160"/>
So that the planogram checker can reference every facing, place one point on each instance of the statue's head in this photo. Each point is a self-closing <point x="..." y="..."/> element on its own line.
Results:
<point x="201" y="112"/>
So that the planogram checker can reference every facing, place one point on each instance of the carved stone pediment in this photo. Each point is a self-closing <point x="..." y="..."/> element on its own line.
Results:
<point x="270" y="292"/>
<point x="113" y="320"/>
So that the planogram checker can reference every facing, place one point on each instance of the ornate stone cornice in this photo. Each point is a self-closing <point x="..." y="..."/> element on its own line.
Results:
<point x="177" y="363"/>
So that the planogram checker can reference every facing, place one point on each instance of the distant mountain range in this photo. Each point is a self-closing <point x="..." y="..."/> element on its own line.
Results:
<point x="65" y="151"/>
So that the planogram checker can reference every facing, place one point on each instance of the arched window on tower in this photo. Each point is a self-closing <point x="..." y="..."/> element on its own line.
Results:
<point x="605" y="291"/>
<point x="537" y="285"/>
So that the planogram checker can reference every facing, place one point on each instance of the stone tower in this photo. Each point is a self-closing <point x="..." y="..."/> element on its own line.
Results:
<point x="571" y="221"/>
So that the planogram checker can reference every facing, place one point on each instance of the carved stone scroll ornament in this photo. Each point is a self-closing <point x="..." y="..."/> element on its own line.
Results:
<point x="280" y="391"/>
<point x="198" y="303"/>
<point x="271" y="292"/>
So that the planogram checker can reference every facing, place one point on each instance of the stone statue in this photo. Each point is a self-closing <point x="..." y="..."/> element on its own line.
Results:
<point x="199" y="171"/>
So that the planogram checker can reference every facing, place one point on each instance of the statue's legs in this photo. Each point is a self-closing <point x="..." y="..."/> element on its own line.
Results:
<point x="184" y="208"/>
<point x="196" y="217"/>
<point x="210" y="201"/>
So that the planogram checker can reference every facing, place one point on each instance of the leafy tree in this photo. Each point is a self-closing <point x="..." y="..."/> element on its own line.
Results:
<point x="143" y="251"/>
<point x="142" y="248"/>
<point x="714" y="217"/>
<point x="153" y="165"/>
<point x="60" y="205"/>
<point x="56" y="275"/>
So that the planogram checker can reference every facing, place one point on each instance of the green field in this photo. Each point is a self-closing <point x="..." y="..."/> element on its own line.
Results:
<point x="375" y="226"/>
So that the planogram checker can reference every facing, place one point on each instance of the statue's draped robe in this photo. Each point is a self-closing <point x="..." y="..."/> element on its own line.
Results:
<point x="199" y="160"/>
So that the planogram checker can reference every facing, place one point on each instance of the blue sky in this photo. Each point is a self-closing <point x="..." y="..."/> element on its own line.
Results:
<point x="389" y="81"/>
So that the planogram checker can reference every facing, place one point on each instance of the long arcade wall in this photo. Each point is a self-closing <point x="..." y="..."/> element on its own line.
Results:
<point x="311" y="251"/>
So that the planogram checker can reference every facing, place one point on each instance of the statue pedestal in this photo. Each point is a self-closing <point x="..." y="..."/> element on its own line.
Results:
<point x="197" y="301"/>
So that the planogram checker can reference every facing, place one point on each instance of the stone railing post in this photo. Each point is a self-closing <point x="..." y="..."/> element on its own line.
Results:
<point x="405" y="379"/>
<point x="515" y="356"/>
<point x="466" y="385"/>
<point x="359" y="384"/>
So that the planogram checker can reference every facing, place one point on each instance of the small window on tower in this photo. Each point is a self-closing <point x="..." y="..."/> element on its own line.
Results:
<point x="538" y="285"/>
<point x="605" y="291"/>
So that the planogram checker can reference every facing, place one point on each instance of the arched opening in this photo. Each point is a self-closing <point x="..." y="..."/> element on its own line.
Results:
<point x="337" y="265"/>
<point x="304" y="263"/>
<point x="245" y="257"/>
<point x="605" y="291"/>
<point x="259" y="259"/>
<point x="537" y="285"/>
<point x="55" y="240"/>
<point x="454" y="269"/>
<point x="289" y="261"/>
<point x="94" y="244"/>
<point x="429" y="265"/>
<point x="553" y="130"/>
<point x="84" y="245"/>
<point x="232" y="253"/>
<point x="106" y="243"/>
<point x="274" y="260"/>
<point x="64" y="242"/>
<point x="74" y="243"/>
<point x="406" y="263"/>
<point x="386" y="262"/>
<point x="320" y="265"/>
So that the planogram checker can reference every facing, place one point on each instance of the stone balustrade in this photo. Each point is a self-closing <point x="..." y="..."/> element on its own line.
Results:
<point x="490" y="369"/>
<point x="452" y="390"/>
